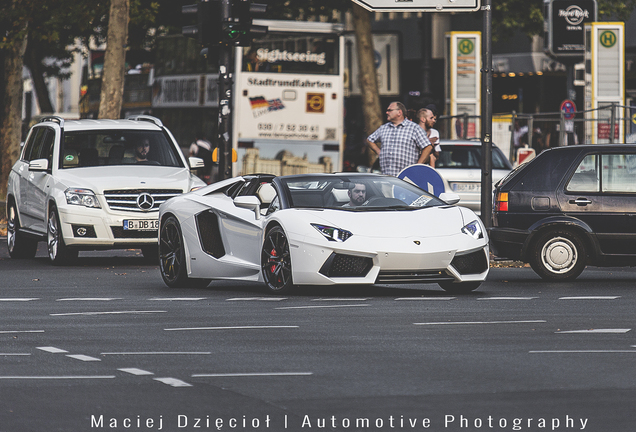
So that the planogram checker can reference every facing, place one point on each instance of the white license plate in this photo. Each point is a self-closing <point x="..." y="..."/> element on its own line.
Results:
<point x="466" y="187"/>
<point x="141" y="225"/>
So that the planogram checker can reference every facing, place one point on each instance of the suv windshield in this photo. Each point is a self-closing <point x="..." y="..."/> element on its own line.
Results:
<point x="357" y="193"/>
<point x="100" y="148"/>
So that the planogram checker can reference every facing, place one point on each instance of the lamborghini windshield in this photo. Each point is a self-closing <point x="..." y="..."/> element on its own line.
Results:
<point x="356" y="193"/>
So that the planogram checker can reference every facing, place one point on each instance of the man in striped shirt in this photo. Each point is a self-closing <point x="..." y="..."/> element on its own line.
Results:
<point x="403" y="142"/>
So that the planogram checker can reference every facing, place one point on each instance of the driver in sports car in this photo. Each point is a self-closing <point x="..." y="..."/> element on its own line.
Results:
<point x="357" y="195"/>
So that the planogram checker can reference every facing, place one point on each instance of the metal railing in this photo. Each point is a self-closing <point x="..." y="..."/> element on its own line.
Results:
<point x="551" y="129"/>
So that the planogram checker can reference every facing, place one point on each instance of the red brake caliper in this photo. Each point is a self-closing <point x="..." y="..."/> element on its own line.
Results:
<point x="273" y="267"/>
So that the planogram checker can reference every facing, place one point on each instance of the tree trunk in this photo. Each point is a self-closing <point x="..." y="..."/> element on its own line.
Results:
<point x="34" y="63"/>
<point x="111" y="98"/>
<point x="368" y="78"/>
<point x="11" y="125"/>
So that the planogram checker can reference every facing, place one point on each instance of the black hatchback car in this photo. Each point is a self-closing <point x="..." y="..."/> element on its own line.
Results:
<point x="568" y="208"/>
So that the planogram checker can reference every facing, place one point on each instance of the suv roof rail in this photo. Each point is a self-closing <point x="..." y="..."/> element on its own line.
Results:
<point x="53" y="118"/>
<point x="147" y="118"/>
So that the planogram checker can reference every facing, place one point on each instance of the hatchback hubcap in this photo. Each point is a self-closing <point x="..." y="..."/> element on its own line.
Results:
<point x="559" y="255"/>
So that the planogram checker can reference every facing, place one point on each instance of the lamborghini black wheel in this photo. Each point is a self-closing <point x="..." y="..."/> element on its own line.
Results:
<point x="172" y="257"/>
<point x="276" y="261"/>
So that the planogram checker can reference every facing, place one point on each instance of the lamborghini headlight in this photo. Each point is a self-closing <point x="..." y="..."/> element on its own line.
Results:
<point x="473" y="229"/>
<point x="82" y="197"/>
<point x="331" y="233"/>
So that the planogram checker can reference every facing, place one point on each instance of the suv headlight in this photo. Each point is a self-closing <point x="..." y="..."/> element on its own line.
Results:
<point x="82" y="197"/>
<point x="331" y="233"/>
<point x="473" y="229"/>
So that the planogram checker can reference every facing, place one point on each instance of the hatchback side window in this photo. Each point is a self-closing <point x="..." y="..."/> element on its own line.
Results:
<point x="585" y="178"/>
<point x="618" y="173"/>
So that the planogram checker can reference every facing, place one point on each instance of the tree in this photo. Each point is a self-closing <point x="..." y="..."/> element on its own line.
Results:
<point x="54" y="31"/>
<point x="115" y="60"/>
<point x="13" y="28"/>
<point x="368" y="79"/>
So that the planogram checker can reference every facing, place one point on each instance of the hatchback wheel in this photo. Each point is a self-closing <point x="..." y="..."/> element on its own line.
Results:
<point x="172" y="257"/>
<point x="59" y="253"/>
<point x="19" y="246"/>
<point x="558" y="255"/>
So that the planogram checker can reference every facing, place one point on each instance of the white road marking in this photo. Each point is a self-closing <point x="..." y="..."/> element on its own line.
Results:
<point x="320" y="307"/>
<point x="425" y="298"/>
<point x="341" y="299"/>
<point x="177" y="298"/>
<point x="51" y="349"/>
<point x="590" y="298"/>
<point x="17" y="299"/>
<point x="82" y="357"/>
<point x="107" y="313"/>
<point x="59" y="377"/>
<point x="230" y="328"/>
<point x="173" y="382"/>
<point x="15" y="354"/>
<point x="594" y="331"/>
<point x="482" y="322"/>
<point x="21" y="331"/>
<point x="217" y="375"/>
<point x="257" y="299"/>
<point x="135" y="371"/>
<point x="582" y="352"/>
<point x="507" y="298"/>
<point x="89" y="299"/>
<point x="158" y="353"/>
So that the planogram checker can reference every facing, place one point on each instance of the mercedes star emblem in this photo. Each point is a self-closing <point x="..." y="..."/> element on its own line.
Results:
<point x="145" y="201"/>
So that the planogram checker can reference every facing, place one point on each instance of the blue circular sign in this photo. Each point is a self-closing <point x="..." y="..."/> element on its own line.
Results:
<point x="425" y="177"/>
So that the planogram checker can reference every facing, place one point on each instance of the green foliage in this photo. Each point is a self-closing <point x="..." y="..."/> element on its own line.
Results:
<point x="304" y="9"/>
<point x="14" y="15"/>
<point x="615" y="10"/>
<point x="510" y="16"/>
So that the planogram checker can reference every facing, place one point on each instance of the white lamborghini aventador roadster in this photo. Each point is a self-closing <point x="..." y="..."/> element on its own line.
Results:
<point x="320" y="229"/>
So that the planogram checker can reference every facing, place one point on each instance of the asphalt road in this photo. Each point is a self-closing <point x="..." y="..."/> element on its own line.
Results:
<point x="105" y="345"/>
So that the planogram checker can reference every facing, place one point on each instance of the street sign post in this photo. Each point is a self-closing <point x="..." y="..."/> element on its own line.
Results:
<point x="420" y="5"/>
<point x="569" y="109"/>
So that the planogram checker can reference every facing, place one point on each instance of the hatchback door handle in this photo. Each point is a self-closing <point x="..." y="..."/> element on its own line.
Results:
<point x="581" y="201"/>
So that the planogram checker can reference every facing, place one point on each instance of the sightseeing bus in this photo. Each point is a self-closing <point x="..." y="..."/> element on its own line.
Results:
<point x="288" y="111"/>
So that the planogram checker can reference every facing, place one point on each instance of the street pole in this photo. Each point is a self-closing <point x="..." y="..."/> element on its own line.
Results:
<point x="486" y="116"/>
<point x="224" y="136"/>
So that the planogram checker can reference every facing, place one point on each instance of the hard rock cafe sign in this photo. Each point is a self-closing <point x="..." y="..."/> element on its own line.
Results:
<point x="565" y="21"/>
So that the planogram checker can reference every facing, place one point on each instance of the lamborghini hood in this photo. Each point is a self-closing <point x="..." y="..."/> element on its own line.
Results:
<point x="425" y="222"/>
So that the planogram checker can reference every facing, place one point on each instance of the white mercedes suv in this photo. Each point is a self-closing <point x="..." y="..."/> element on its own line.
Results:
<point x="94" y="184"/>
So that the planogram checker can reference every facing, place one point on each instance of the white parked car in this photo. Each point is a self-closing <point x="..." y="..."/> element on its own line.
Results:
<point x="306" y="230"/>
<point x="94" y="184"/>
<point x="459" y="163"/>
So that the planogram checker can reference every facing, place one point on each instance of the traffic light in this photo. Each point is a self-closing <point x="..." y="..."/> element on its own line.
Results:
<point x="207" y="18"/>
<point x="240" y="31"/>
